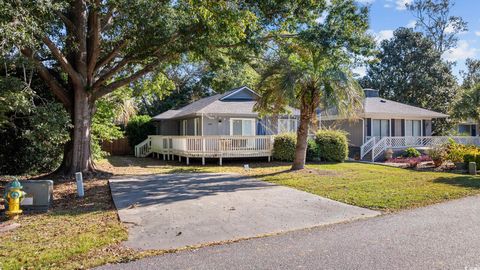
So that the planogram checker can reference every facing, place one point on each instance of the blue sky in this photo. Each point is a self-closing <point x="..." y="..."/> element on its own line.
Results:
<point x="387" y="15"/>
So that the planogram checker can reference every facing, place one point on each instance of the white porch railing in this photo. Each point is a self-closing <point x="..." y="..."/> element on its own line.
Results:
<point x="144" y="148"/>
<point x="209" y="146"/>
<point x="416" y="142"/>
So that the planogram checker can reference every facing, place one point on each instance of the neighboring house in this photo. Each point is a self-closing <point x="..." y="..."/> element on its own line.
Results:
<point x="381" y="118"/>
<point x="468" y="128"/>
<point x="230" y="113"/>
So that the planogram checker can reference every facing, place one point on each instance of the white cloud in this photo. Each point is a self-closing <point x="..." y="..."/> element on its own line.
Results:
<point x="384" y="34"/>
<point x="461" y="52"/>
<point x="477" y="33"/>
<point x="411" y="24"/>
<point x="402" y="4"/>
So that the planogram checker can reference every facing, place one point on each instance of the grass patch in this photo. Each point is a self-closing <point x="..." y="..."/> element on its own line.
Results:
<point x="375" y="186"/>
<point x="76" y="233"/>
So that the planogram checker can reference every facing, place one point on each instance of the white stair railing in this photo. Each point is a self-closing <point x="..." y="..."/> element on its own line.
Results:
<point x="379" y="147"/>
<point x="367" y="147"/>
<point x="144" y="148"/>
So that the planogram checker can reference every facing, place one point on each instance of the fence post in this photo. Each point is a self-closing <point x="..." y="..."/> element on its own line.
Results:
<point x="79" y="178"/>
<point x="472" y="168"/>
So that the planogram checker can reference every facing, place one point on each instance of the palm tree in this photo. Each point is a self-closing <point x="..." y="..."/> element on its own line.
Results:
<point x="308" y="79"/>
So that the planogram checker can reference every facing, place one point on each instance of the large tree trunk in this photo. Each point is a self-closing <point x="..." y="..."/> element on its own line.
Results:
<point x="77" y="153"/>
<point x="302" y="137"/>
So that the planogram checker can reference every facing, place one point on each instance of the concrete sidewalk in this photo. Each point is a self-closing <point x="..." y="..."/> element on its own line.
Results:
<point x="177" y="210"/>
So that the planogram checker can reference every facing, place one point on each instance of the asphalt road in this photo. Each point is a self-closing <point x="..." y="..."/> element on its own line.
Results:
<point x="442" y="236"/>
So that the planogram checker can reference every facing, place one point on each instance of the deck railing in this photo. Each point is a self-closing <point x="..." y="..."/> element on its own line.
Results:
<point x="210" y="146"/>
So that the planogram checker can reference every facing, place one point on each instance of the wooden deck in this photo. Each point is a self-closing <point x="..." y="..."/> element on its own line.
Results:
<point x="203" y="147"/>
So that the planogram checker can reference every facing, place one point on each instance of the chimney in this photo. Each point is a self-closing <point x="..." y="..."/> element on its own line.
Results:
<point x="370" y="92"/>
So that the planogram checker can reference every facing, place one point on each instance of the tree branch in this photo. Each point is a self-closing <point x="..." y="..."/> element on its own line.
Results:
<point x="93" y="40"/>
<point x="110" y="73"/>
<point x="66" y="66"/>
<point x="110" y="56"/>
<point x="119" y="83"/>
<point x="57" y="89"/>
<point x="68" y="23"/>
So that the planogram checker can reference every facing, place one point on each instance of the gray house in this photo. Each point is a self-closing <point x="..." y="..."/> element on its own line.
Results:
<point x="381" y="118"/>
<point x="230" y="114"/>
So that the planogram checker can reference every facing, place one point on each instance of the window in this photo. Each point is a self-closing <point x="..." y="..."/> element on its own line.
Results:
<point x="196" y="126"/>
<point x="287" y="125"/>
<point x="242" y="127"/>
<point x="380" y="128"/>
<point x="184" y="127"/>
<point x="413" y="128"/>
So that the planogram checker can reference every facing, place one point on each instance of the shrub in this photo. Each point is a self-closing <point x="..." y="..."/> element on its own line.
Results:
<point x="312" y="150"/>
<point x="284" y="146"/>
<point x="438" y="154"/>
<point x="412" y="152"/>
<point x="332" y="145"/>
<point x="138" y="129"/>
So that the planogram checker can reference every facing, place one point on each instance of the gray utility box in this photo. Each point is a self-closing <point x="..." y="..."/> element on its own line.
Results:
<point x="39" y="195"/>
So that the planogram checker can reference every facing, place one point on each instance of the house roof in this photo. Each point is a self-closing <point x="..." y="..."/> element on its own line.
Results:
<point x="233" y="102"/>
<point x="374" y="106"/>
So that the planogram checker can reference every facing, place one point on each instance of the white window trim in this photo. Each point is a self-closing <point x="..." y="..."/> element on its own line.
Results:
<point x="248" y="119"/>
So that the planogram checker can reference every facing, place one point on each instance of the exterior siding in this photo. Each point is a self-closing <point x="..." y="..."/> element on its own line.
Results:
<point x="354" y="130"/>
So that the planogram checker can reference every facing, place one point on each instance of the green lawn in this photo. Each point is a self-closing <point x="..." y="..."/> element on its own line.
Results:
<point x="375" y="186"/>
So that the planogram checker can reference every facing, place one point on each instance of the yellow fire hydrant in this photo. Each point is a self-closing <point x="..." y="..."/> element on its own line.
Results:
<point x="13" y="196"/>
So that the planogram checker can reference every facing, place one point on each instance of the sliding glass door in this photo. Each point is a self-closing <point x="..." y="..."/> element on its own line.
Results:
<point x="380" y="128"/>
<point x="413" y="128"/>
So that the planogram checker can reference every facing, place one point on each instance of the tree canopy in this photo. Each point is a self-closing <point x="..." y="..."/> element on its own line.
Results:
<point x="410" y="70"/>
<point x="86" y="49"/>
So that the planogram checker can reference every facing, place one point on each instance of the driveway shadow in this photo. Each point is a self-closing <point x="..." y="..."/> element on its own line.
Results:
<point x="141" y="191"/>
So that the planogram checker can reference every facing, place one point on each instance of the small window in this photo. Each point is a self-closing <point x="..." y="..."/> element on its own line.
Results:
<point x="287" y="125"/>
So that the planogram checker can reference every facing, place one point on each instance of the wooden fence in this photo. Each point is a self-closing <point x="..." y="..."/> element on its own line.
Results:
<point x="119" y="147"/>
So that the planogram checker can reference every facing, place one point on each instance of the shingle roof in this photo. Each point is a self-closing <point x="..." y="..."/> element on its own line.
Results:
<point x="215" y="105"/>
<point x="380" y="106"/>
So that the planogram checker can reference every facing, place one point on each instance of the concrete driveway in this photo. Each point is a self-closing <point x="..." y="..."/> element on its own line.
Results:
<point x="176" y="210"/>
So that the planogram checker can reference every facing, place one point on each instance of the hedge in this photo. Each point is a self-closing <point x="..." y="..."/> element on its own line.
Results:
<point x="284" y="146"/>
<point x="332" y="145"/>
<point x="138" y="129"/>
